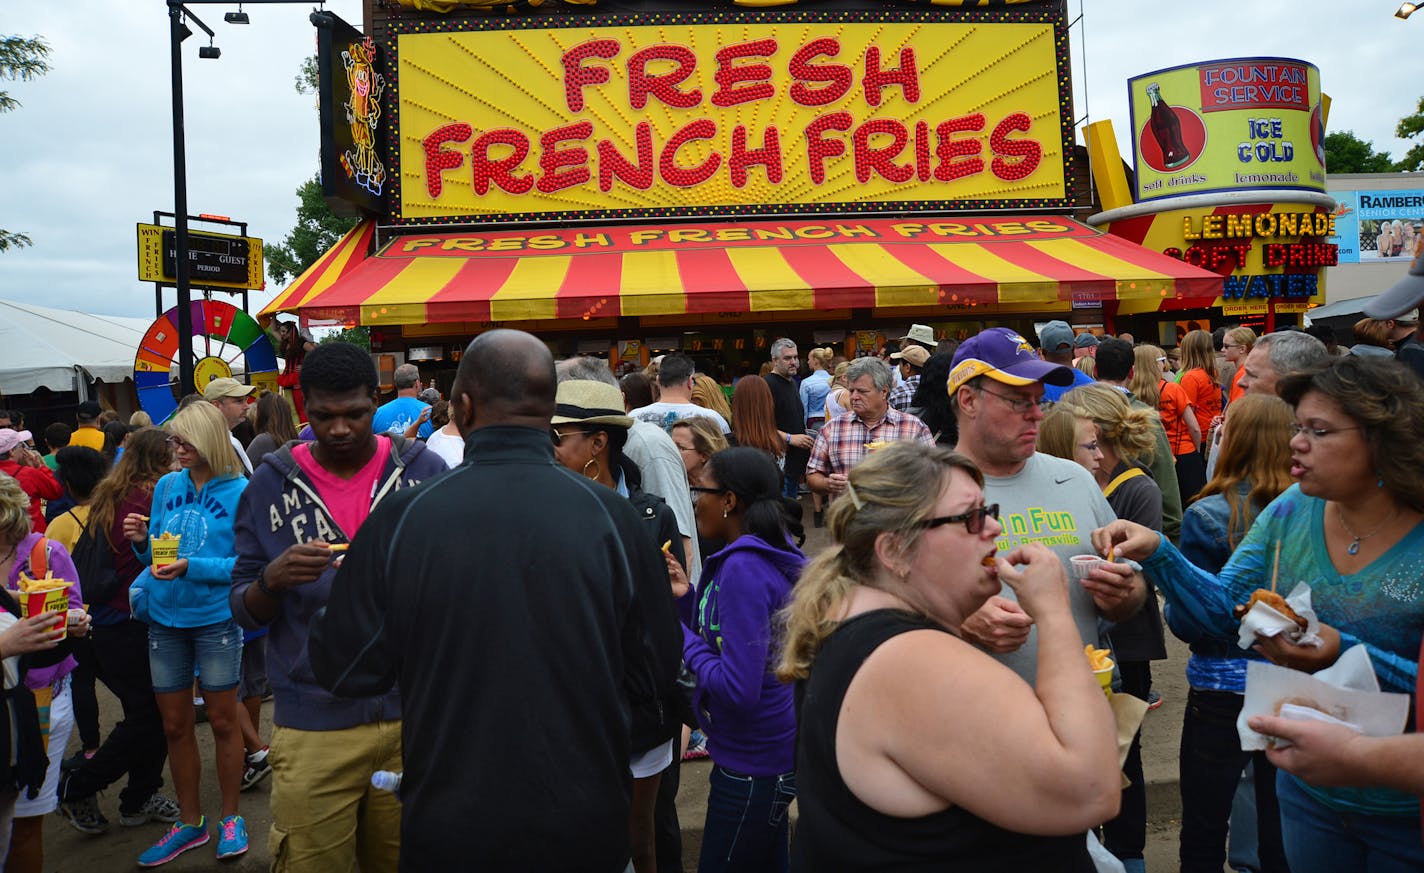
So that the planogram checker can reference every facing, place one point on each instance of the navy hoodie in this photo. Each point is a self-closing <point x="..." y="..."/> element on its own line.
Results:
<point x="281" y="507"/>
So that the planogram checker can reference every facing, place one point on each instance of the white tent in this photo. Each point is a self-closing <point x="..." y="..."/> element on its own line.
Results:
<point x="64" y="350"/>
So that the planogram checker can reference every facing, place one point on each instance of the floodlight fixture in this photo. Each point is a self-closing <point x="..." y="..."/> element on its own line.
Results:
<point x="209" y="51"/>
<point x="1405" y="10"/>
<point x="238" y="17"/>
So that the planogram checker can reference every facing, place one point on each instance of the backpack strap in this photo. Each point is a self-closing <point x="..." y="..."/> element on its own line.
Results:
<point x="1130" y="473"/>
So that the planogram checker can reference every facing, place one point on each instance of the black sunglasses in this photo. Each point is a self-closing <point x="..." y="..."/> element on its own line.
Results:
<point x="699" y="490"/>
<point x="973" y="519"/>
<point x="558" y="438"/>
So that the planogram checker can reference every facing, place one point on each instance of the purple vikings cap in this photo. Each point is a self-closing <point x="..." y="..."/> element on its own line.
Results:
<point x="1006" y="357"/>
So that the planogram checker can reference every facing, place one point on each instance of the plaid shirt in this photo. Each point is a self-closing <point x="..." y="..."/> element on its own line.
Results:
<point x="904" y="393"/>
<point x="840" y="445"/>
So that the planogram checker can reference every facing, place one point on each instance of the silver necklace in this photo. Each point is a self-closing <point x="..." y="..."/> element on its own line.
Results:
<point x="1354" y="546"/>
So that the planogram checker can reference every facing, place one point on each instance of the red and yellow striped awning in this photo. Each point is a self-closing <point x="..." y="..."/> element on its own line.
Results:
<point x="756" y="266"/>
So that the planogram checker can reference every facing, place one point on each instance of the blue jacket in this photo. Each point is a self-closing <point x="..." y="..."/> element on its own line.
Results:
<point x="205" y="521"/>
<point x="749" y="714"/>
<point x="814" y="389"/>
<point x="282" y="508"/>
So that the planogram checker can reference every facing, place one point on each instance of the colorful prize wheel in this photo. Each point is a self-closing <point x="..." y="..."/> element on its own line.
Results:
<point x="228" y="334"/>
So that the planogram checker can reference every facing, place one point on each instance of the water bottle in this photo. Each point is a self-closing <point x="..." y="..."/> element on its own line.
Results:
<point x="385" y="780"/>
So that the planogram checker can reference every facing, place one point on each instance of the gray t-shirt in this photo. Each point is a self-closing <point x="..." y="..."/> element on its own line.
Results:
<point x="665" y="415"/>
<point x="1058" y="503"/>
<point x="660" y="462"/>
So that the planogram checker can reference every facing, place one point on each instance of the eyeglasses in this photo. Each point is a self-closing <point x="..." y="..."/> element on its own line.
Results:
<point x="1232" y="346"/>
<point x="698" y="491"/>
<point x="1090" y="448"/>
<point x="176" y="443"/>
<point x="1317" y="433"/>
<point x="1018" y="405"/>
<point x="1161" y="360"/>
<point x="973" y="519"/>
<point x="557" y="438"/>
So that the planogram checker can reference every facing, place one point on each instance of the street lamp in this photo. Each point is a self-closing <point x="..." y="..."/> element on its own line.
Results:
<point x="178" y="16"/>
<point x="1405" y="10"/>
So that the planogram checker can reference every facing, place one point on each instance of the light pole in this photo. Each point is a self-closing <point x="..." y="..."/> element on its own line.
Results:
<point x="177" y="32"/>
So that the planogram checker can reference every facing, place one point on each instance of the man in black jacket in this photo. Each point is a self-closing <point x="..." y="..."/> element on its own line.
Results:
<point x="511" y="603"/>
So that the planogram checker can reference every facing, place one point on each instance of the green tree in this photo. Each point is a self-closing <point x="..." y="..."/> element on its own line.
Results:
<point x="1410" y="127"/>
<point x="21" y="59"/>
<point x="359" y="336"/>
<point x="317" y="230"/>
<point x="1347" y="153"/>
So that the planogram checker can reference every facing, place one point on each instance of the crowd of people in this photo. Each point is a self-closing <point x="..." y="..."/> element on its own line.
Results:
<point x="535" y="598"/>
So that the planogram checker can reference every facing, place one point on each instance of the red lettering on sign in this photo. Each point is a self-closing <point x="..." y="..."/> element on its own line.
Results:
<point x="641" y="83"/>
<point x="687" y="177"/>
<point x="483" y="170"/>
<point x="612" y="164"/>
<point x="564" y="167"/>
<point x="907" y="76"/>
<point x="769" y="156"/>
<point x="818" y="148"/>
<point x="838" y="77"/>
<point x="577" y="76"/>
<point x="1028" y="151"/>
<point x="922" y="151"/>
<point x="437" y="159"/>
<point x="959" y="157"/>
<point x="871" y="161"/>
<point x="729" y="77"/>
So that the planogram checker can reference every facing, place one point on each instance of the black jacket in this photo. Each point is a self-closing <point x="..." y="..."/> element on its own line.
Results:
<point x="524" y="611"/>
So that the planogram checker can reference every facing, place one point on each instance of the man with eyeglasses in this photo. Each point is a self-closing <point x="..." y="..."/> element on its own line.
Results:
<point x="996" y="389"/>
<point x="847" y="439"/>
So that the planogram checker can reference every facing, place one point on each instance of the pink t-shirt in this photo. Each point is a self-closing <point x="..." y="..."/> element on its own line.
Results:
<point x="349" y="500"/>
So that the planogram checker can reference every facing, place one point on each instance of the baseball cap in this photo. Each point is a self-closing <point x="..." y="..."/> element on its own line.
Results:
<point x="921" y="333"/>
<point x="1406" y="295"/>
<point x="1056" y="336"/>
<point x="1006" y="357"/>
<point x="916" y="355"/>
<point x="226" y="387"/>
<point x="89" y="410"/>
<point x="9" y="438"/>
<point x="1085" y="341"/>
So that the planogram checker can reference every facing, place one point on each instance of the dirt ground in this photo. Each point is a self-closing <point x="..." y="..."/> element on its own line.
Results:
<point x="68" y="851"/>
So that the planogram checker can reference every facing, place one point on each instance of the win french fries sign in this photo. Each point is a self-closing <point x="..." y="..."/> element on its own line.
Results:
<point x="716" y="114"/>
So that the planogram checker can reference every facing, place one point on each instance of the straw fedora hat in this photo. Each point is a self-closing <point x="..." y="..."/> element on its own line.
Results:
<point x="583" y="401"/>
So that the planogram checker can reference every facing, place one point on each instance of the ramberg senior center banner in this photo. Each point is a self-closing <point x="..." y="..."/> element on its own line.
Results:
<point x="1379" y="225"/>
<point x="740" y="115"/>
<point x="1230" y="125"/>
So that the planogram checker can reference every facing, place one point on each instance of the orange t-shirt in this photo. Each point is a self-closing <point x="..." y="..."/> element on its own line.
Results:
<point x="1237" y="392"/>
<point x="1172" y="405"/>
<point x="1205" y="396"/>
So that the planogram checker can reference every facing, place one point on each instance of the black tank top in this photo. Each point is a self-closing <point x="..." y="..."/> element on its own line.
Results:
<point x="837" y="832"/>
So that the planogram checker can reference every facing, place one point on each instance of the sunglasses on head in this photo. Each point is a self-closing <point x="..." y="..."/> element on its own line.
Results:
<point x="973" y="519"/>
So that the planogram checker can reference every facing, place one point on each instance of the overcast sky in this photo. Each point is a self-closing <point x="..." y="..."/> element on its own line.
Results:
<point x="90" y="153"/>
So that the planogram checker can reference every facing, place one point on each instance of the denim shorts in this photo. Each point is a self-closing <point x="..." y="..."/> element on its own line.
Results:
<point x="214" y="650"/>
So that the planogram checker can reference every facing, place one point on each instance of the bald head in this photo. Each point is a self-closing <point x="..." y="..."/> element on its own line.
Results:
<point x="505" y="377"/>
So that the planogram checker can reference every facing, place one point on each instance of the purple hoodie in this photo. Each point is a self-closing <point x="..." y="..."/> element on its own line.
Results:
<point x="280" y="508"/>
<point x="61" y="566"/>
<point x="749" y="714"/>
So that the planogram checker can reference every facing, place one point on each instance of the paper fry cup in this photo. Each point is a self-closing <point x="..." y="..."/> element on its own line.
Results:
<point x="36" y="602"/>
<point x="165" y="551"/>
<point x="1104" y="677"/>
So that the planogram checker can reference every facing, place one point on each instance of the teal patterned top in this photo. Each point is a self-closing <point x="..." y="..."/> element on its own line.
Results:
<point x="1381" y="607"/>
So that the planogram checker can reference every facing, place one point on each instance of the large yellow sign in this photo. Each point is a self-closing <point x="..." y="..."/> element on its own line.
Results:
<point x="674" y="118"/>
<point x="1228" y="125"/>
